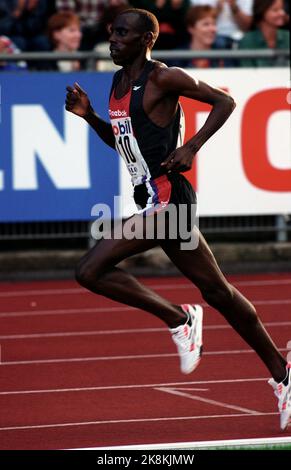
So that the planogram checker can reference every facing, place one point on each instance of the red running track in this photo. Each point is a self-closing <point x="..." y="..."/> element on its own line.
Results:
<point x="78" y="370"/>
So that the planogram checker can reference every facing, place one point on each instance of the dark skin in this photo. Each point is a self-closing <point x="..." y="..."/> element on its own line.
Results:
<point x="161" y="95"/>
<point x="130" y="47"/>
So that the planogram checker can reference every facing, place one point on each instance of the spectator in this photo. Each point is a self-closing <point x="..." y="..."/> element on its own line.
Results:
<point x="269" y="17"/>
<point x="89" y="12"/>
<point x="8" y="47"/>
<point x="171" y="16"/>
<point x="287" y="18"/>
<point x="65" y="35"/>
<point x="287" y="9"/>
<point x="51" y="8"/>
<point x="114" y="7"/>
<point x="234" y="17"/>
<point x="24" y="22"/>
<point x="201" y="25"/>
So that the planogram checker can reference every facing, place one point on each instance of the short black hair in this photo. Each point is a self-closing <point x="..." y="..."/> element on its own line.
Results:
<point x="259" y="9"/>
<point x="147" y="20"/>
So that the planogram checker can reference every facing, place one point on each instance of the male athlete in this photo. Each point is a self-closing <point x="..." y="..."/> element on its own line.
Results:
<point x="145" y="99"/>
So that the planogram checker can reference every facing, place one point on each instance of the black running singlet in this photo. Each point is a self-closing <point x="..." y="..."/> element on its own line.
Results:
<point x="142" y="144"/>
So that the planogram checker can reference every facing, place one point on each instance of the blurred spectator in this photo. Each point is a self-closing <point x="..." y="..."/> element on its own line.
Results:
<point x="287" y="10"/>
<point x="24" y="22"/>
<point x="8" y="47"/>
<point x="234" y="17"/>
<point x="114" y="7"/>
<point x="65" y="35"/>
<point x="269" y="17"/>
<point x="171" y="16"/>
<point x="51" y="8"/>
<point x="89" y="12"/>
<point x="201" y="25"/>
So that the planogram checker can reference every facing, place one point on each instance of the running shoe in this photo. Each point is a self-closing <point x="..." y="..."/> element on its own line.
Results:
<point x="188" y="338"/>
<point x="283" y="393"/>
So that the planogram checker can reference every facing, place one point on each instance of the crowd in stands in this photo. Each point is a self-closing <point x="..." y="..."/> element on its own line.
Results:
<point x="198" y="25"/>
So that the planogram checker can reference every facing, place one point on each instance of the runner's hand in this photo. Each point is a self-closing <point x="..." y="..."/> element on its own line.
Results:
<point x="179" y="160"/>
<point x="77" y="101"/>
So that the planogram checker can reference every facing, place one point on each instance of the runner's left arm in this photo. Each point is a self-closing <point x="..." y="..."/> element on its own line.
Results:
<point x="176" y="80"/>
<point x="78" y="102"/>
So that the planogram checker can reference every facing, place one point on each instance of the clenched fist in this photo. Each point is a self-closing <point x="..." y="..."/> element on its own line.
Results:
<point x="77" y="101"/>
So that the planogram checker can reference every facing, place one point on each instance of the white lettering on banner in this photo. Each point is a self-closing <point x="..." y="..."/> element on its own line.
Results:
<point x="1" y="172"/>
<point x="35" y="138"/>
<point x="1" y="180"/>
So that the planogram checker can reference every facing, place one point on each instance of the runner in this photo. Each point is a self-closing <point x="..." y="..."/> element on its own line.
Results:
<point x="147" y="131"/>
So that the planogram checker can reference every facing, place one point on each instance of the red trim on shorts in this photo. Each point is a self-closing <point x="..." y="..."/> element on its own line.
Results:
<point x="162" y="188"/>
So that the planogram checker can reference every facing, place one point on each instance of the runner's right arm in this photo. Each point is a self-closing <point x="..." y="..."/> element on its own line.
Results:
<point x="77" y="102"/>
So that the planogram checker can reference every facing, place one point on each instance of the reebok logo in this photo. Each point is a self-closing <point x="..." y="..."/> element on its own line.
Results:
<point x="117" y="113"/>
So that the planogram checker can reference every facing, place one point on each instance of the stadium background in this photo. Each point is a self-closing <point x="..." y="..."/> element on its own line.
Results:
<point x="53" y="169"/>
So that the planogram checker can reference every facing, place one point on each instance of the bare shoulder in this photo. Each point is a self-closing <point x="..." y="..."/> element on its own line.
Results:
<point x="171" y="78"/>
<point x="180" y="82"/>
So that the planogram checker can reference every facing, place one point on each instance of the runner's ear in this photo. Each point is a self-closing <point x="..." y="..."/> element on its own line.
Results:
<point x="149" y="39"/>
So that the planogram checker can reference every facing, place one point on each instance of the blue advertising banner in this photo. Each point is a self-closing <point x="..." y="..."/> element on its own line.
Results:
<point x="52" y="166"/>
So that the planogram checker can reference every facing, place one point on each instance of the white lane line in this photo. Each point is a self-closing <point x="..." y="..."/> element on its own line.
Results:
<point x="272" y="302"/>
<point x="65" y="311"/>
<point x="266" y="441"/>
<point x="118" y="358"/>
<point x="94" y="310"/>
<point x="266" y="282"/>
<point x="130" y="387"/>
<point x="32" y="292"/>
<point x="118" y="332"/>
<point x="86" y="333"/>
<point x="137" y="420"/>
<point x="174" y="391"/>
<point x="168" y="286"/>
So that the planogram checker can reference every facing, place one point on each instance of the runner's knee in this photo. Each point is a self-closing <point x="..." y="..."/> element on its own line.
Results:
<point x="94" y="277"/>
<point x="218" y="295"/>
<point x="85" y="275"/>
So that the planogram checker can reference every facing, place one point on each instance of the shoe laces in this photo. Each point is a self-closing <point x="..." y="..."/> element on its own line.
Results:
<point x="280" y="388"/>
<point x="181" y="335"/>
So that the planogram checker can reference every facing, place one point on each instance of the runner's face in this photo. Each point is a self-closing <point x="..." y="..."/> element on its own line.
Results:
<point x="126" y="42"/>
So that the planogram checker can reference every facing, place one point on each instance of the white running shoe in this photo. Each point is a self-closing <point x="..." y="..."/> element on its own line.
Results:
<point x="283" y="393"/>
<point x="188" y="338"/>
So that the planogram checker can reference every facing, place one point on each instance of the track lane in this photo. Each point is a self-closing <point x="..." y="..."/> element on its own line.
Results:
<point x="167" y="417"/>
<point x="85" y="406"/>
<point x="129" y="372"/>
<point x="126" y="344"/>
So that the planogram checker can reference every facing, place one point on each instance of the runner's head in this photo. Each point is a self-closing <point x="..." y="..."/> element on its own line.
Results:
<point x="133" y="32"/>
